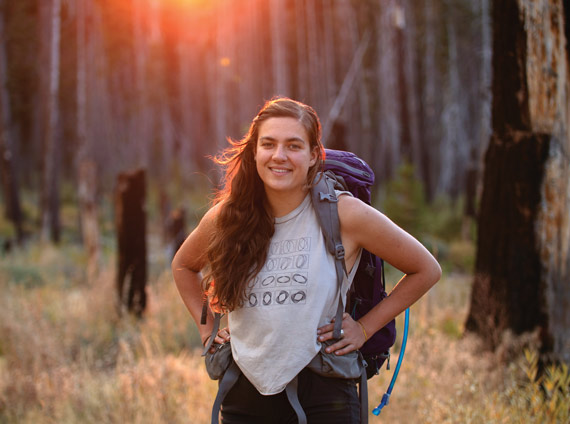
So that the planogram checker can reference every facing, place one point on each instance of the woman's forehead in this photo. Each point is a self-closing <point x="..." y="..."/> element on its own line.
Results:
<point x="283" y="128"/>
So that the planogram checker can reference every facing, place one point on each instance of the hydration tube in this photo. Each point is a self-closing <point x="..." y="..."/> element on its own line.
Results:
<point x="386" y="397"/>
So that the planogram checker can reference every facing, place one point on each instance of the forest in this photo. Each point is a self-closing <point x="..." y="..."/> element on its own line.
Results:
<point x="111" y="112"/>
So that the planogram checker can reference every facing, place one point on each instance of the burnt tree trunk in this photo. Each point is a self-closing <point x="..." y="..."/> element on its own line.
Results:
<point x="175" y="227"/>
<point x="130" y="222"/>
<point x="523" y="253"/>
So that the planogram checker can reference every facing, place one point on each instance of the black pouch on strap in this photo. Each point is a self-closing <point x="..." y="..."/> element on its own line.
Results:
<point x="218" y="362"/>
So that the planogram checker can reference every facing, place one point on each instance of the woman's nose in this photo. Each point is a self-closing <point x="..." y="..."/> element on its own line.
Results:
<point x="279" y="153"/>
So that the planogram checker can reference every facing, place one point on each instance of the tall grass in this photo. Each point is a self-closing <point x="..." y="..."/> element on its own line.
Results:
<point x="65" y="356"/>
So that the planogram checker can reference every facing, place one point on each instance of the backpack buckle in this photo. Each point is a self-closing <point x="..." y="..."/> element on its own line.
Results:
<point x="339" y="251"/>
<point x="328" y="197"/>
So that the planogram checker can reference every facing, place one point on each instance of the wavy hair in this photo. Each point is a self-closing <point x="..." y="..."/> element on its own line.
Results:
<point x="244" y="225"/>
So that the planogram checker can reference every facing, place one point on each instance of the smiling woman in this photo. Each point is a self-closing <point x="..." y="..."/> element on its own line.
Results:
<point x="266" y="264"/>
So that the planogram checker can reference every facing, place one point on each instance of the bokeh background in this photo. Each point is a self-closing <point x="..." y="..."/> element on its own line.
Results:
<point x="459" y="106"/>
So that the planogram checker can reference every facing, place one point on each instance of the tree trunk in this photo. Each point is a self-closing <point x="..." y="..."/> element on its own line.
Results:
<point x="362" y="138"/>
<point x="8" y="160"/>
<point x="409" y="57"/>
<point x="50" y="223"/>
<point x="454" y="147"/>
<point x="143" y="120"/>
<point x="84" y="167"/>
<point x="523" y="252"/>
<point x="87" y="189"/>
<point x="342" y="95"/>
<point x="130" y="223"/>
<point x="302" y="51"/>
<point x="430" y="116"/>
<point x="387" y="155"/>
<point x="317" y="89"/>
<point x="222" y="74"/>
<point x="328" y="49"/>
<point x="278" y="15"/>
<point x="98" y="106"/>
<point x="400" y="71"/>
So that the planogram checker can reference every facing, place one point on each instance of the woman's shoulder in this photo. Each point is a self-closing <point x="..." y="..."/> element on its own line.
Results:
<point x="210" y="217"/>
<point x="359" y="220"/>
<point x="350" y="207"/>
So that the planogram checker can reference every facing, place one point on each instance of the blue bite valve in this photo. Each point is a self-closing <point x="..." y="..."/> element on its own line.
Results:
<point x="383" y="403"/>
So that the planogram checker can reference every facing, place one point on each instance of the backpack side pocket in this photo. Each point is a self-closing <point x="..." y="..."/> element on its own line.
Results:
<point x="349" y="366"/>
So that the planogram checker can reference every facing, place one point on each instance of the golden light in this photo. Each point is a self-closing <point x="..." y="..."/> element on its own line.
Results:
<point x="190" y="4"/>
<point x="225" y="62"/>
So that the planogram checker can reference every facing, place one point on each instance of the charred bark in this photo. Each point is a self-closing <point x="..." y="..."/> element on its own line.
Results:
<point x="175" y="227"/>
<point x="507" y="290"/>
<point x="130" y="223"/>
<point x="523" y="251"/>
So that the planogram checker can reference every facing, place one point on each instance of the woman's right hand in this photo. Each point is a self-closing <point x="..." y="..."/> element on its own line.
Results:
<point x="222" y="337"/>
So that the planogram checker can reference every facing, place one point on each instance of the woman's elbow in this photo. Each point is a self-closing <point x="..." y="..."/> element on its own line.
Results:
<point x="175" y="263"/>
<point x="433" y="273"/>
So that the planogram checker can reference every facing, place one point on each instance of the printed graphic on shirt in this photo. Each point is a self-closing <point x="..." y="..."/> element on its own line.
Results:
<point x="284" y="277"/>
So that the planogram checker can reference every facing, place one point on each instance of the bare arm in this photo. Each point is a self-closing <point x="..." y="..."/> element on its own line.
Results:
<point x="385" y="239"/>
<point x="186" y="266"/>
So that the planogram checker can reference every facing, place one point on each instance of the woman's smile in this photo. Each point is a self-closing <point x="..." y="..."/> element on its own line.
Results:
<point x="280" y="170"/>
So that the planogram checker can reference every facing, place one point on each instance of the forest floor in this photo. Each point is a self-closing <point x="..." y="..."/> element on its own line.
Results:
<point x="65" y="357"/>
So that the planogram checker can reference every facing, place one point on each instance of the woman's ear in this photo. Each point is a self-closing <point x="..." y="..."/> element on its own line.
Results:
<point x="314" y="156"/>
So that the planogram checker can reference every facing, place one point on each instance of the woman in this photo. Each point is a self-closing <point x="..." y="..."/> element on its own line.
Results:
<point x="264" y="262"/>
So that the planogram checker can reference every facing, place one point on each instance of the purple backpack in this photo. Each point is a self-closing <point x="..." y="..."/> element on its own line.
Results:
<point x="346" y="171"/>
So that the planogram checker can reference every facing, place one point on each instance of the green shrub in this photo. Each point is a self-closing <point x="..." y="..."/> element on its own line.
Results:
<point x="22" y="275"/>
<point x="443" y="218"/>
<point x="462" y="256"/>
<point x="404" y="201"/>
<point x="6" y="229"/>
<point x="450" y="327"/>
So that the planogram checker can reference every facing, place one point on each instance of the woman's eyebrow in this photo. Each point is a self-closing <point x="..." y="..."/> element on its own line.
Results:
<point x="270" y="138"/>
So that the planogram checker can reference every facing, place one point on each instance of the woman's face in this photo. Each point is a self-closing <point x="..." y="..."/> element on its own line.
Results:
<point x="283" y="155"/>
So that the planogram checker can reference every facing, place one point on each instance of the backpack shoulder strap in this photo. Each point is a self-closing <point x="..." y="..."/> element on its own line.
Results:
<point x="325" y="204"/>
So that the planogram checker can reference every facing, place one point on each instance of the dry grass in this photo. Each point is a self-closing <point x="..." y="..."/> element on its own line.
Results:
<point x="66" y="358"/>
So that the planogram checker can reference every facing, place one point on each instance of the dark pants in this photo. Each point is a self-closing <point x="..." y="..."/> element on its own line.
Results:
<point x="324" y="400"/>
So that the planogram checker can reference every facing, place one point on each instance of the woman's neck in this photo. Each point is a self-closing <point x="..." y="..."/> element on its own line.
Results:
<point x="281" y="204"/>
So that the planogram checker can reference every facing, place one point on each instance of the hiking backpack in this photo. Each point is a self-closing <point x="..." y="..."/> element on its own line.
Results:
<point x="347" y="172"/>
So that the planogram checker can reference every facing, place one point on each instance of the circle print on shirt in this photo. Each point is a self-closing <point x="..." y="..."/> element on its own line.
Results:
<point x="299" y="296"/>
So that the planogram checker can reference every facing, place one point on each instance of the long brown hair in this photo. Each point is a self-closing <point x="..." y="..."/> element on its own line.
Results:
<point x="244" y="224"/>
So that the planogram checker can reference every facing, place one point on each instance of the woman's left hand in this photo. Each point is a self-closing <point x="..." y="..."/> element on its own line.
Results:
<point x="353" y="337"/>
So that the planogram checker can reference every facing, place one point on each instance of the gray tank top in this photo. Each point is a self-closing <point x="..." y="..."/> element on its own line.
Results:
<point x="274" y="335"/>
